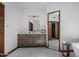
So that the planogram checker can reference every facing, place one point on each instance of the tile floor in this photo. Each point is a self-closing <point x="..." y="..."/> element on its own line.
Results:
<point x="36" y="52"/>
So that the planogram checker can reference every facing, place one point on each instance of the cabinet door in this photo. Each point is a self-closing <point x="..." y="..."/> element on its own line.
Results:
<point x="22" y="40"/>
<point x="29" y="40"/>
<point x="36" y="40"/>
<point x="43" y="40"/>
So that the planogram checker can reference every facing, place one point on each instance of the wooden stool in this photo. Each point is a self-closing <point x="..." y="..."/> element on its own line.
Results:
<point x="66" y="51"/>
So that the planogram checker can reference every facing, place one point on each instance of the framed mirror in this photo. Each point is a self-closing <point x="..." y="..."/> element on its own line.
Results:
<point x="34" y="25"/>
<point x="54" y="30"/>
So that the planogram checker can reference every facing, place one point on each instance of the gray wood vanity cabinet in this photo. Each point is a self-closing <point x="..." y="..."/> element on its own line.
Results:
<point x="31" y="40"/>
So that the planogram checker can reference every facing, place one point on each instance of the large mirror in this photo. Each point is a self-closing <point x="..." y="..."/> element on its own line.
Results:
<point x="34" y="25"/>
<point x="54" y="30"/>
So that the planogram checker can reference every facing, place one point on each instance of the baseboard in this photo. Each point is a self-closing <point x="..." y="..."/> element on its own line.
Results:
<point x="3" y="55"/>
<point x="12" y="50"/>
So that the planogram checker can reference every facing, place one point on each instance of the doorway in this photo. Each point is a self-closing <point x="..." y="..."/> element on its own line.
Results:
<point x="54" y="30"/>
<point x="1" y="29"/>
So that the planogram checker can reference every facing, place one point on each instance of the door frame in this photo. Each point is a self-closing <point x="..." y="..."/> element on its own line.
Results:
<point x="59" y="27"/>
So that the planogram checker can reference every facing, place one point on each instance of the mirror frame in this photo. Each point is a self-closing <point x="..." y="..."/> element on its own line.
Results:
<point x="59" y="28"/>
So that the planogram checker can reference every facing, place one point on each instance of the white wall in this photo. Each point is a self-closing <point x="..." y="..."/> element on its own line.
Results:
<point x="12" y="17"/>
<point x="69" y="24"/>
<point x="24" y="28"/>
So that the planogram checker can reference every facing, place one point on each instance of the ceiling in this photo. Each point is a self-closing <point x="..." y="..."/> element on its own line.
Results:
<point x="32" y="5"/>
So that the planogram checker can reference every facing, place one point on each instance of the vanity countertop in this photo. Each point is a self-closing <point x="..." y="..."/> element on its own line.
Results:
<point x="35" y="33"/>
<point x="32" y="33"/>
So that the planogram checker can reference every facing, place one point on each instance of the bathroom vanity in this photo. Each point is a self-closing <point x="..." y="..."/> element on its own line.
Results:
<point x="31" y="40"/>
<point x="35" y="35"/>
